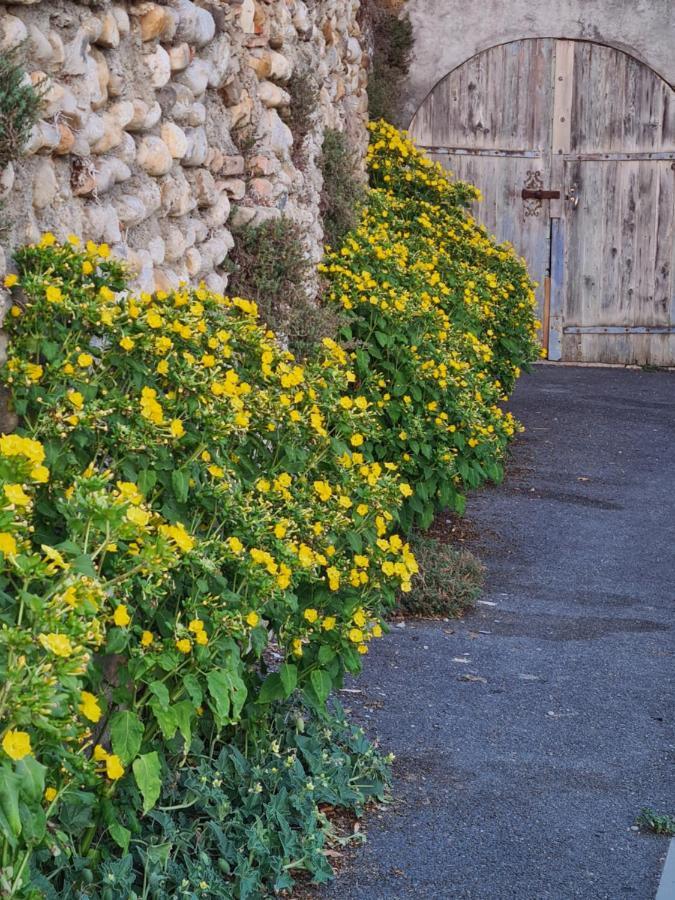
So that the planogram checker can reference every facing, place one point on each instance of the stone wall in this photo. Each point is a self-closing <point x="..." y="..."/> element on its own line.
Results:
<point x="163" y="128"/>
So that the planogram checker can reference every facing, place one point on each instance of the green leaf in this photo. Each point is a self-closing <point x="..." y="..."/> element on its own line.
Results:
<point x="160" y="691"/>
<point x="10" y="818"/>
<point x="147" y="770"/>
<point x="288" y="673"/>
<point x="272" y="689"/>
<point x="192" y="686"/>
<point x="31" y="775"/>
<point x="184" y="713"/>
<point x="228" y="693"/>
<point x="326" y="654"/>
<point x="147" y="479"/>
<point x="180" y="482"/>
<point x="84" y="566"/>
<point x="34" y="824"/>
<point x="166" y="719"/>
<point x="321" y="683"/>
<point x="126" y="734"/>
<point x="120" y="835"/>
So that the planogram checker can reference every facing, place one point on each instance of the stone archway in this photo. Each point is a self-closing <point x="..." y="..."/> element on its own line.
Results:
<point x="449" y="32"/>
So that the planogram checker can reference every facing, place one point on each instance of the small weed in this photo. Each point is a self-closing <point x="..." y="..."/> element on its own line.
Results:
<point x="449" y="581"/>
<point x="392" y="45"/>
<point x="342" y="190"/>
<point x="659" y="823"/>
<point x="19" y="108"/>
<point x="300" y="116"/>
<point x="269" y="265"/>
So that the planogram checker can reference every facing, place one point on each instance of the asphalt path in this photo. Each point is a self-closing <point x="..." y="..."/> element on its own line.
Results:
<point x="529" y="735"/>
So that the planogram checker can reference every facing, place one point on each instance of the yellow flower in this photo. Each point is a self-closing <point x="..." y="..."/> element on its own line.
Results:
<point x="405" y="489"/>
<point x="127" y="343"/>
<point x="113" y="767"/>
<point x="84" y="360"/>
<point x="252" y="619"/>
<point x="51" y="794"/>
<point x="55" y="558"/>
<point x="47" y="240"/>
<point x="89" y="707"/>
<point x="58" y="644"/>
<point x="87" y="267"/>
<point x="40" y="474"/>
<point x="311" y="615"/>
<point x="235" y="545"/>
<point x="76" y="398"/>
<point x="377" y="631"/>
<point x="179" y="535"/>
<point x="7" y="544"/>
<point x="195" y="626"/>
<point x="163" y="367"/>
<point x="184" y="645"/>
<point x="356" y="440"/>
<point x="53" y="294"/>
<point x="355" y="635"/>
<point x="16" y="495"/>
<point x="362" y="509"/>
<point x="147" y="638"/>
<point x="362" y="648"/>
<point x="100" y="753"/>
<point x="328" y="623"/>
<point x="202" y="638"/>
<point x="323" y="489"/>
<point x="16" y="744"/>
<point x="359" y="618"/>
<point x="138" y="516"/>
<point x="121" y="616"/>
<point x="297" y="647"/>
<point x="103" y="251"/>
<point x="10" y="280"/>
<point x="34" y="372"/>
<point x="176" y="428"/>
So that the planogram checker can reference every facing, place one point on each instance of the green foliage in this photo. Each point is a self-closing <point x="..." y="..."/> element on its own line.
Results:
<point x="240" y="823"/>
<point x="195" y="527"/>
<point x="449" y="581"/>
<point x="181" y="492"/>
<point x="342" y="192"/>
<point x="441" y="319"/>
<point x="392" y="45"/>
<point x="300" y="115"/>
<point x="269" y="264"/>
<point x="659" y="823"/>
<point x="19" y="108"/>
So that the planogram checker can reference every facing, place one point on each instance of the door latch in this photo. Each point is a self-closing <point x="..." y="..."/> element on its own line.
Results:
<point x="529" y="194"/>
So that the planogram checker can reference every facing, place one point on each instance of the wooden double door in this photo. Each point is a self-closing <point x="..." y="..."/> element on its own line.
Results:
<point x="573" y="147"/>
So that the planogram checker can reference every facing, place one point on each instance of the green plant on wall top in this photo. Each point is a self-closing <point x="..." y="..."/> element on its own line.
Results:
<point x="392" y="46"/>
<point x="19" y="108"/>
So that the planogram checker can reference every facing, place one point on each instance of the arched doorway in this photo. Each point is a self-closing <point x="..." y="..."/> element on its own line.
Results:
<point x="572" y="144"/>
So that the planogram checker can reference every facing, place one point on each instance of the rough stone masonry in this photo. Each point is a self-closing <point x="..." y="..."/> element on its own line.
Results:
<point x="161" y="130"/>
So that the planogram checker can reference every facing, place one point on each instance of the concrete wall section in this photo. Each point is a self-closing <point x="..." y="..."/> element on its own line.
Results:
<point x="448" y="32"/>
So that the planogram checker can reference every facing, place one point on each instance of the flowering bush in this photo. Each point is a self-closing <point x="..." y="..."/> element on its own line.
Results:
<point x="203" y="495"/>
<point x="441" y="320"/>
<point x="193" y="525"/>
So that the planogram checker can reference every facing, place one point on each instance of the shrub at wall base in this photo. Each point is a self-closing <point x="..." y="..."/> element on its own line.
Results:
<point x="194" y="526"/>
<point x="441" y="321"/>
